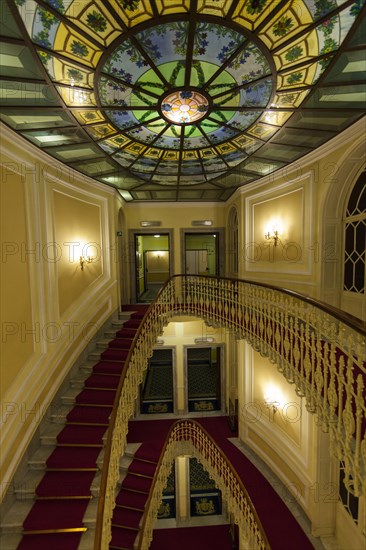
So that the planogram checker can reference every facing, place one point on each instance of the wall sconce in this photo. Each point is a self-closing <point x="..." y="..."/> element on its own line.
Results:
<point x="271" y="404"/>
<point x="273" y="235"/>
<point x="159" y="342"/>
<point x="150" y="224"/>
<point x="85" y="260"/>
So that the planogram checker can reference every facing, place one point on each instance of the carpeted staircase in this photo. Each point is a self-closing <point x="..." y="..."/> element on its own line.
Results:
<point x="63" y="511"/>
<point x="57" y="518"/>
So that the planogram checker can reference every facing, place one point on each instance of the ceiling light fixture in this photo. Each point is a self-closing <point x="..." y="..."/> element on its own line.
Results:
<point x="198" y="223"/>
<point x="150" y="224"/>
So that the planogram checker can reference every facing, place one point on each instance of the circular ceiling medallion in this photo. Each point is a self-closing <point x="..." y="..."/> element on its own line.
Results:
<point x="184" y="106"/>
<point x="184" y="98"/>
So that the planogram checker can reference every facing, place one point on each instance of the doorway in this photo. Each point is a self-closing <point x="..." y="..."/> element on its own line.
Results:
<point x="152" y="266"/>
<point x="202" y="252"/>
<point x="157" y="389"/>
<point x="203" y="379"/>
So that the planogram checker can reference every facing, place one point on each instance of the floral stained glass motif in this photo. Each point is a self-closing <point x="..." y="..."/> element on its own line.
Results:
<point x="184" y="107"/>
<point x="175" y="94"/>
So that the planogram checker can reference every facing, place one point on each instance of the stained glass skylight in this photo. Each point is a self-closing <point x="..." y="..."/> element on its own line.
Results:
<point x="184" y="98"/>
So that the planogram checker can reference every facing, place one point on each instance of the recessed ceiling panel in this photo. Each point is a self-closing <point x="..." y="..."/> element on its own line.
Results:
<point x="181" y="93"/>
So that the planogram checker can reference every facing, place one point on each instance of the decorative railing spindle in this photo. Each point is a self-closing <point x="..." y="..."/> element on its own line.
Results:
<point x="320" y="349"/>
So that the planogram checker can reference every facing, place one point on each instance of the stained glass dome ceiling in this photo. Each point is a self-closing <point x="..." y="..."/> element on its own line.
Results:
<point x="178" y="99"/>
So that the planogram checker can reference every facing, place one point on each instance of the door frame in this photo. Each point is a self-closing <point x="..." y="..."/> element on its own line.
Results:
<point x="221" y="352"/>
<point x="173" y="348"/>
<point x="132" y="234"/>
<point x="220" y="246"/>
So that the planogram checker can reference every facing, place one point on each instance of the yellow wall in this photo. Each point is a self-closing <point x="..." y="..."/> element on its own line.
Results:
<point x="78" y="234"/>
<point x="16" y="307"/>
<point x="50" y="307"/>
<point x="308" y="257"/>
<point x="175" y="216"/>
<point x="179" y="334"/>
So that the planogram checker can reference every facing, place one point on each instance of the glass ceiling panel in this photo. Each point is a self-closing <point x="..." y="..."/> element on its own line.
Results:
<point x="94" y="19"/>
<point x="26" y="93"/>
<point x="17" y="62"/>
<point x="332" y="120"/>
<point x="178" y="92"/>
<point x="289" y="136"/>
<point x="287" y="153"/>
<point x="67" y="72"/>
<point x="350" y="66"/>
<point x="46" y="138"/>
<point x="350" y="96"/>
<point x="8" y="26"/>
<point x="37" y="118"/>
<point x="75" y="152"/>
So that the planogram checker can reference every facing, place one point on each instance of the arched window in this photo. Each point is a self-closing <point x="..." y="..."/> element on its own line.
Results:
<point x="233" y="241"/>
<point x="354" y="275"/>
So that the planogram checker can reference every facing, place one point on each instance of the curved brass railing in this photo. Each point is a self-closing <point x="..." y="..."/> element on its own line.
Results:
<point x="188" y="437"/>
<point x="315" y="346"/>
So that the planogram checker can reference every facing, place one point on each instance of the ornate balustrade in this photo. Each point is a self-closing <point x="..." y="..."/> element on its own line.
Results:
<point x="319" y="349"/>
<point x="187" y="437"/>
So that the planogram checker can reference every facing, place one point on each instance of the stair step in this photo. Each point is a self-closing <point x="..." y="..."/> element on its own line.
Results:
<point x="51" y="540"/>
<point x="102" y="344"/>
<point x="13" y="521"/>
<point x="122" y="538"/>
<point x="143" y="468"/>
<point x="26" y="489"/>
<point x="96" y="397"/>
<point x="137" y="483"/>
<point x="77" y="383"/>
<point x="56" y="514"/>
<point x="87" y="538"/>
<point x="126" y="333"/>
<point x="109" y="367"/>
<point x="131" y="449"/>
<point x="65" y="484"/>
<point x="69" y="458"/>
<point x="69" y="396"/>
<point x="39" y="458"/>
<point x="58" y="416"/>
<point x="10" y="541"/>
<point x="49" y="437"/>
<point x="102" y="381"/>
<point x="80" y="414"/>
<point x="94" y="356"/>
<point x="125" y="463"/>
<point x="125" y="517"/>
<point x="131" y="499"/>
<point x="74" y="458"/>
<point x="115" y="354"/>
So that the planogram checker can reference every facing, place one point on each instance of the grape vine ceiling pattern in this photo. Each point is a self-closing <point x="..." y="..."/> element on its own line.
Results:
<point x="181" y="99"/>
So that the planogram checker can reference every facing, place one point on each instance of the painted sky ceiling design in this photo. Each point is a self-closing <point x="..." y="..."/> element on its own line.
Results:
<point x="179" y="99"/>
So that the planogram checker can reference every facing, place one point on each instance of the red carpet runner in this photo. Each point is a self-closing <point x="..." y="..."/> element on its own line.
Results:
<point x="282" y="529"/>
<point x="63" y="494"/>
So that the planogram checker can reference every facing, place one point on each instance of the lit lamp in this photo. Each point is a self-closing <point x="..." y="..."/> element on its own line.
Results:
<point x="85" y="260"/>
<point x="272" y="398"/>
<point x="271" y="404"/>
<point x="272" y="236"/>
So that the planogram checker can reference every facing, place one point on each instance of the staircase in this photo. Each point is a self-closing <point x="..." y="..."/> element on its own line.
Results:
<point x="133" y="495"/>
<point x="55" y="504"/>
